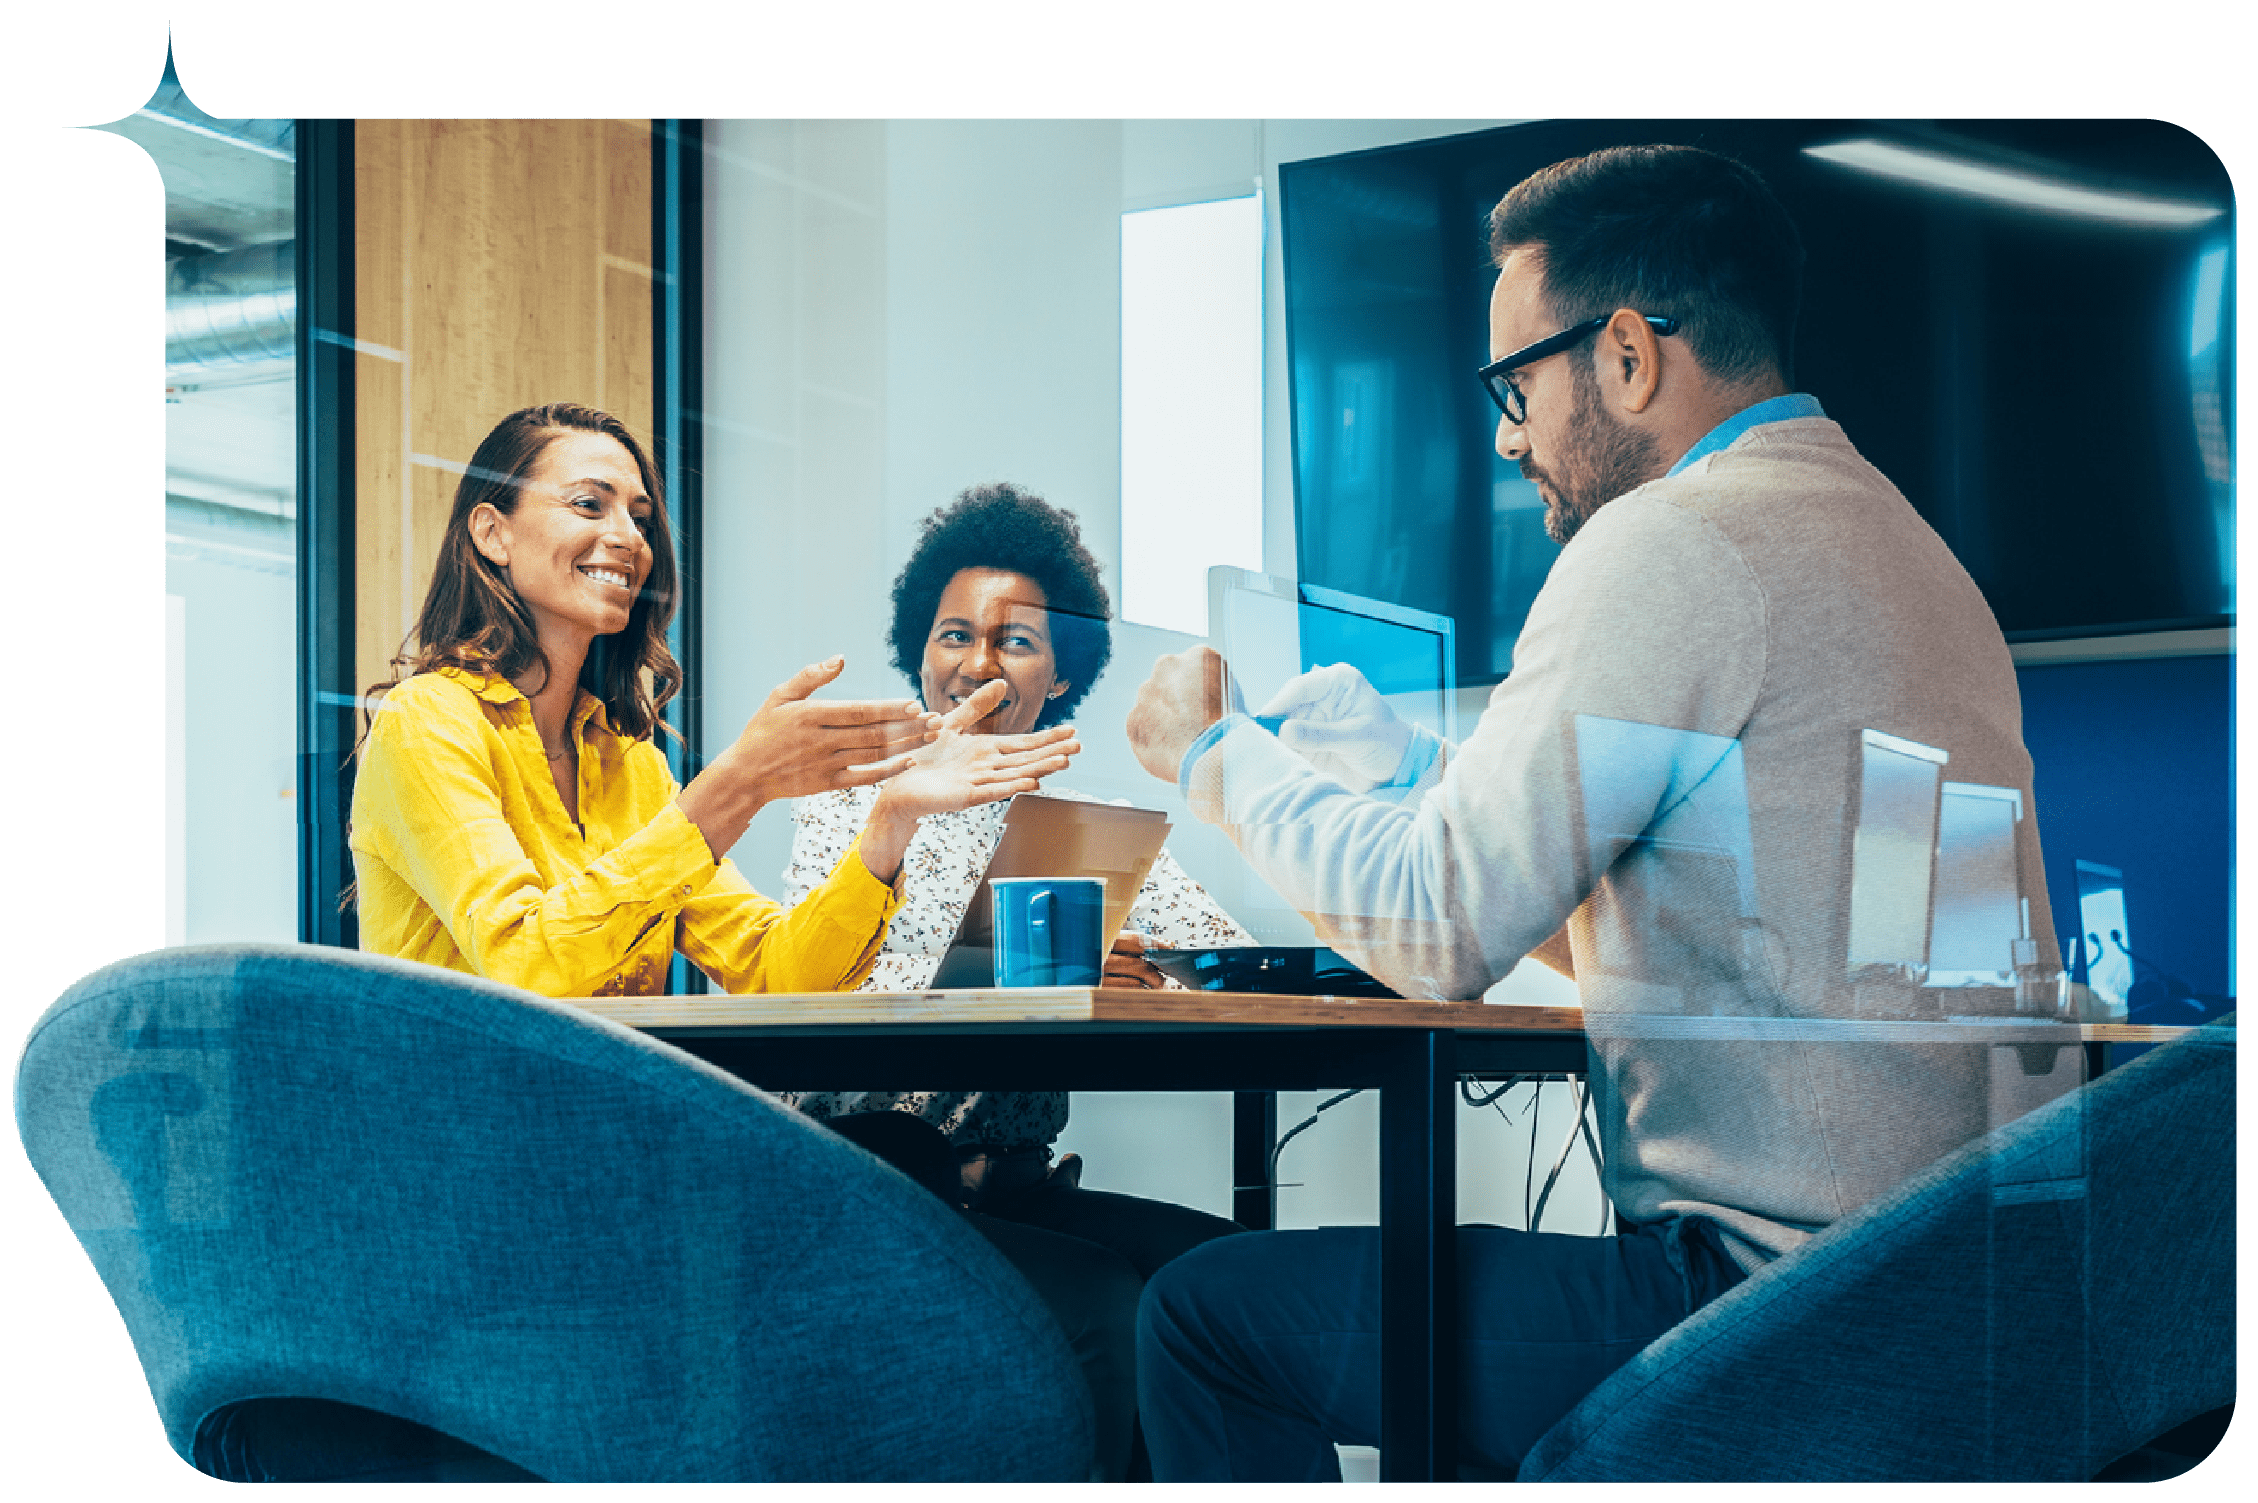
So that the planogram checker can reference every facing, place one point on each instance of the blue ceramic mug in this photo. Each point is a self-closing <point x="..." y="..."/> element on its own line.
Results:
<point x="1050" y="931"/>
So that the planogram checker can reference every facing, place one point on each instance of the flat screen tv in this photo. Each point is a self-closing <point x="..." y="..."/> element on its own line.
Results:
<point x="2028" y="326"/>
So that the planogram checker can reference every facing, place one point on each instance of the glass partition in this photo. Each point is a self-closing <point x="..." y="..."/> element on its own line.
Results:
<point x="230" y="517"/>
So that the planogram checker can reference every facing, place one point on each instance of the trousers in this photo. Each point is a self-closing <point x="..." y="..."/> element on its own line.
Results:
<point x="1257" y="1354"/>
<point x="1086" y="1253"/>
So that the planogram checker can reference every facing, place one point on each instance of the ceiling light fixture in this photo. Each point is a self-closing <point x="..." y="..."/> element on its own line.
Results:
<point x="2026" y="190"/>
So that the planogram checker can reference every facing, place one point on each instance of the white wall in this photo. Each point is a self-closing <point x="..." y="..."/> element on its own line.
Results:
<point x="234" y="810"/>
<point x="231" y="775"/>
<point x="898" y="310"/>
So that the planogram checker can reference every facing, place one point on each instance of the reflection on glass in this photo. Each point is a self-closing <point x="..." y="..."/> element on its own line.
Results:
<point x="1405" y="654"/>
<point x="1665" y="818"/>
<point x="1375" y="715"/>
<point x="1271" y="630"/>
<point x="1255" y="623"/>
<point x="1893" y="856"/>
<point x="230" y="516"/>
<point x="1979" y="909"/>
<point x="2210" y="375"/>
<point x="2105" y="937"/>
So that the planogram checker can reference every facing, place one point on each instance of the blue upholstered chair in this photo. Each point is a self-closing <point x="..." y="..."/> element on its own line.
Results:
<point x="2037" y="1307"/>
<point x="366" y="1218"/>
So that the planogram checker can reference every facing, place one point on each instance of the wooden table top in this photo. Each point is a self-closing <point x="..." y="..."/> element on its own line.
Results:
<point x="1071" y="1006"/>
<point x="1082" y="1007"/>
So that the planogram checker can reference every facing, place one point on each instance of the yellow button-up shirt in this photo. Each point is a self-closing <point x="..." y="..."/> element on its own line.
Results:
<point x="467" y="859"/>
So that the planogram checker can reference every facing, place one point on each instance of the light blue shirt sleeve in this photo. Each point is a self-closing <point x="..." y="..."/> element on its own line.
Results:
<point x="1205" y="742"/>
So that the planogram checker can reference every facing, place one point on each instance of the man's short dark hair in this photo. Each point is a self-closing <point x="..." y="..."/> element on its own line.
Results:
<point x="1003" y="526"/>
<point x="1668" y="230"/>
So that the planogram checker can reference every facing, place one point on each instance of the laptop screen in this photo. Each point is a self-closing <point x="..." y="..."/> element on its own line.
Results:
<point x="1271" y="630"/>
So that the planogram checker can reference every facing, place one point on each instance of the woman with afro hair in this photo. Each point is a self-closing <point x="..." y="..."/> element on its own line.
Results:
<point x="1001" y="587"/>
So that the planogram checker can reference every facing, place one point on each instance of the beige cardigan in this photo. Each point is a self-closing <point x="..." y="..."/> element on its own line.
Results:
<point x="1711" y="643"/>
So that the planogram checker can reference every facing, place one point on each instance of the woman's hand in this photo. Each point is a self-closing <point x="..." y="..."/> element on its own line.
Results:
<point x="958" y="771"/>
<point x="795" y="745"/>
<point x="1127" y="965"/>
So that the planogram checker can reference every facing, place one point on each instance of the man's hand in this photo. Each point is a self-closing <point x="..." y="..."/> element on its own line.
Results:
<point x="1183" y="697"/>
<point x="1341" y="726"/>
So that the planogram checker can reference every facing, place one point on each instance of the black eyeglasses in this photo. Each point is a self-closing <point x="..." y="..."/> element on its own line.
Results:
<point x="1497" y="378"/>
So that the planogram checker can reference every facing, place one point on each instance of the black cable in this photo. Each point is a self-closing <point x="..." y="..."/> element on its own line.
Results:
<point x="1471" y="1097"/>
<point x="1599" y="1168"/>
<point x="1466" y="1092"/>
<point x="1576" y="1101"/>
<point x="1270" y="1175"/>
<point x="1529" y="1176"/>
<point x="1529" y="1217"/>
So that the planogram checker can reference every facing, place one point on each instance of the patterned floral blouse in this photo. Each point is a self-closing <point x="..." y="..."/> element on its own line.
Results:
<point x="939" y="873"/>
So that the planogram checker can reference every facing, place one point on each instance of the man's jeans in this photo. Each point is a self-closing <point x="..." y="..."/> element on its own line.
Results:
<point x="1256" y="1354"/>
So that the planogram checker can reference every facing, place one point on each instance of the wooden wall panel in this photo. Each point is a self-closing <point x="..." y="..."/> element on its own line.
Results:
<point x="498" y="264"/>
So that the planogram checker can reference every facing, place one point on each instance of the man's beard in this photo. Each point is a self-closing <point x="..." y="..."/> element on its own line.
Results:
<point x="1609" y="458"/>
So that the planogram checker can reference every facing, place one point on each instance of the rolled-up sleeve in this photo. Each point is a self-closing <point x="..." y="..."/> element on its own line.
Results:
<point x="748" y="943"/>
<point x="428" y="804"/>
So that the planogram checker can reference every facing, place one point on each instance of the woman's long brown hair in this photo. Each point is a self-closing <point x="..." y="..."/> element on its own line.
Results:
<point x="472" y="619"/>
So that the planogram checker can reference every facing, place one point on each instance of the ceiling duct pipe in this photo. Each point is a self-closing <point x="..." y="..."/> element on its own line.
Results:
<point x="232" y="317"/>
<point x="170" y="105"/>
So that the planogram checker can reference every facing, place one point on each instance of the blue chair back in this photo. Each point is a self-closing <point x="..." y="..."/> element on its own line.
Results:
<point x="2030" y="1308"/>
<point x="312" y="1179"/>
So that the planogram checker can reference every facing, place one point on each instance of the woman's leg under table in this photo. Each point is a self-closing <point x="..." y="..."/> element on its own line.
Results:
<point x="1148" y="1233"/>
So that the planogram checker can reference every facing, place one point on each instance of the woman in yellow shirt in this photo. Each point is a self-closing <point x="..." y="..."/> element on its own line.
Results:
<point x="512" y="816"/>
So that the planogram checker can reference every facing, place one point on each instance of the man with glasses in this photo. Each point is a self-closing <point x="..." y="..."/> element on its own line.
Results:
<point x="1661" y="798"/>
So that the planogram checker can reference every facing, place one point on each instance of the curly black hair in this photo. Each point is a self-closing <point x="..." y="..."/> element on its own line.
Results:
<point x="1004" y="526"/>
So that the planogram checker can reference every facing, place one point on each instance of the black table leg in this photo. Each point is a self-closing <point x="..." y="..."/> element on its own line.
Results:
<point x="1419" y="1259"/>
<point x="1254" y="1127"/>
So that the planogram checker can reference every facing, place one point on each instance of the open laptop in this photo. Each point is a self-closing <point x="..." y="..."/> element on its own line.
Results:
<point x="1055" y="837"/>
